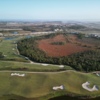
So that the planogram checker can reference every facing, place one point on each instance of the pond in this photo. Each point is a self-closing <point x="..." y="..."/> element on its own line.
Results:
<point x="9" y="38"/>
<point x="15" y="32"/>
<point x="28" y="36"/>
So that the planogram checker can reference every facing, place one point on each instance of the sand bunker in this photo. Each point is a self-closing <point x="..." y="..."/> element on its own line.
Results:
<point x="86" y="86"/>
<point x="45" y="64"/>
<point x="98" y="74"/>
<point x="17" y="74"/>
<point x="58" y="87"/>
<point x="61" y="66"/>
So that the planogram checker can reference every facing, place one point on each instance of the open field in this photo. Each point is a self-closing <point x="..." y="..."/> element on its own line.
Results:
<point x="35" y="85"/>
<point x="71" y="45"/>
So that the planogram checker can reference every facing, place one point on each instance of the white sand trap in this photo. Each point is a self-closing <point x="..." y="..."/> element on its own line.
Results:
<point x="13" y="49"/>
<point x="4" y="55"/>
<point x="61" y="66"/>
<point x="86" y="86"/>
<point x="58" y="87"/>
<point x="44" y="64"/>
<point x="98" y="74"/>
<point x="31" y="62"/>
<point x="17" y="74"/>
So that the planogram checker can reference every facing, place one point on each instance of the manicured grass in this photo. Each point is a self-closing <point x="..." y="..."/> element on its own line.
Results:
<point x="40" y="84"/>
<point x="11" y="65"/>
<point x="8" y="48"/>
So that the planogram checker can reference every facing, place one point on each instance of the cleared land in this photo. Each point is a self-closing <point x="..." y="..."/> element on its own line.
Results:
<point x="71" y="45"/>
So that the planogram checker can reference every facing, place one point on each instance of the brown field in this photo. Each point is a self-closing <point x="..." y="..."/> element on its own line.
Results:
<point x="72" y="45"/>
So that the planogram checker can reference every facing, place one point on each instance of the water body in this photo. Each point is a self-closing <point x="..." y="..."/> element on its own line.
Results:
<point x="72" y="98"/>
<point x="28" y="36"/>
<point x="15" y="32"/>
<point x="9" y="38"/>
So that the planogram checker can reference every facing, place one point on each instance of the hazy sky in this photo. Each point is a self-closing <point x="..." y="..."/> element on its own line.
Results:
<point x="50" y="10"/>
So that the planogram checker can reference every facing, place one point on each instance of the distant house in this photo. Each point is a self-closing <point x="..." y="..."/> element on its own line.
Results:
<point x="74" y="33"/>
<point x="95" y="35"/>
<point x="58" y="30"/>
<point x="15" y="32"/>
<point x="1" y="34"/>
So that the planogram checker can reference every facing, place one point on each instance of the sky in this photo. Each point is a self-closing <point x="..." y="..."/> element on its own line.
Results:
<point x="64" y="10"/>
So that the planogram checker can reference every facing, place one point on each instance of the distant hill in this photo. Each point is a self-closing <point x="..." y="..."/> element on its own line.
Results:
<point x="76" y="27"/>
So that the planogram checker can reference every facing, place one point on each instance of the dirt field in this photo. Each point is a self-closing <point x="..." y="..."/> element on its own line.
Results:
<point x="71" y="46"/>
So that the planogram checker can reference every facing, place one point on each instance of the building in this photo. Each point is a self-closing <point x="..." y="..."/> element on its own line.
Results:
<point x="1" y="34"/>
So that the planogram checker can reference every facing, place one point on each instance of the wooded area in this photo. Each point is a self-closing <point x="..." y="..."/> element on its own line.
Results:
<point x="84" y="61"/>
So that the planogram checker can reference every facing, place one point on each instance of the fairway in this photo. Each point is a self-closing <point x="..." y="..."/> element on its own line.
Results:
<point x="8" y="48"/>
<point x="40" y="84"/>
<point x="13" y="65"/>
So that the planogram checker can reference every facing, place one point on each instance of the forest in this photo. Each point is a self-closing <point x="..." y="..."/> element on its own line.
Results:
<point x="85" y="61"/>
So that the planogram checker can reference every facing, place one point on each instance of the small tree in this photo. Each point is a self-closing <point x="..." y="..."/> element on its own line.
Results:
<point x="1" y="55"/>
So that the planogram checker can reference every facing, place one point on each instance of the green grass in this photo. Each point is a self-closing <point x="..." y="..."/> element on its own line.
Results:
<point x="8" y="48"/>
<point x="37" y="85"/>
<point x="12" y="65"/>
